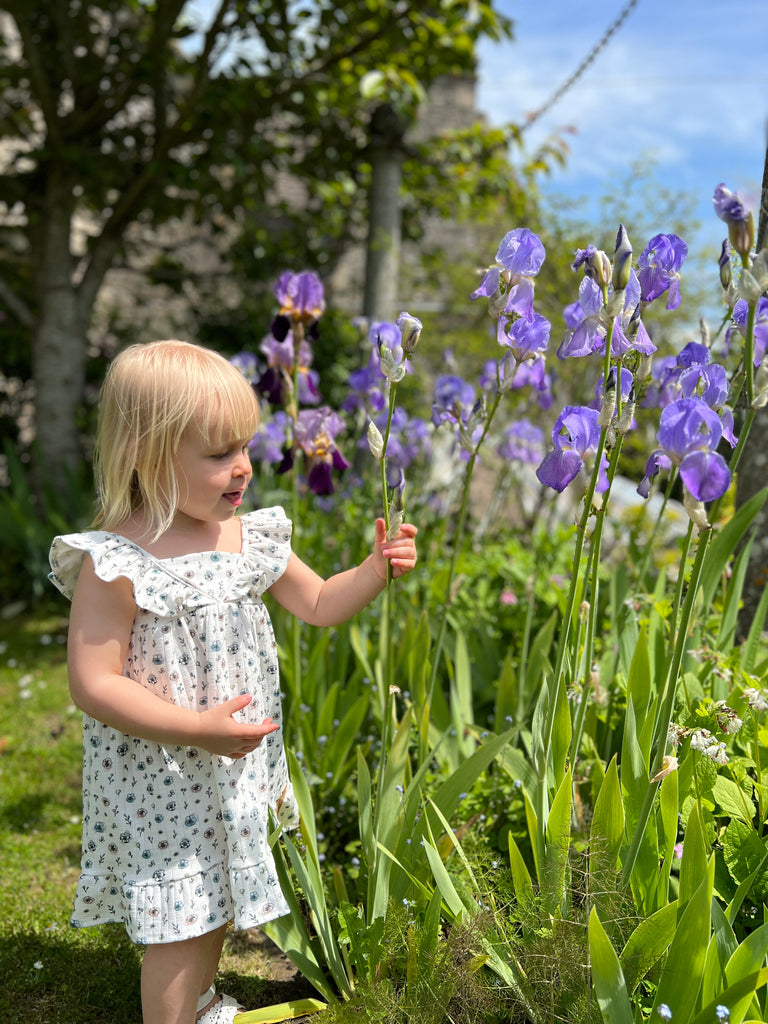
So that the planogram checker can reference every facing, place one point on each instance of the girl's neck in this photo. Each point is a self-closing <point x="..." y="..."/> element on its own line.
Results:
<point x="185" y="536"/>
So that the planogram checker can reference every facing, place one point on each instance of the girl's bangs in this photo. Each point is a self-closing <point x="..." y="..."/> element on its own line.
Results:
<point x="229" y="410"/>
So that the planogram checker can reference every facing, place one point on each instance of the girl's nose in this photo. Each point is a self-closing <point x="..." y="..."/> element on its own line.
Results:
<point x="243" y="465"/>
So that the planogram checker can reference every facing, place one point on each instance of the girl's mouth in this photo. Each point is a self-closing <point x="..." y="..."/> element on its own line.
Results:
<point x="235" y="498"/>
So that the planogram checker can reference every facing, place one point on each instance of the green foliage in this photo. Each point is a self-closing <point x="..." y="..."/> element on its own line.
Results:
<point x="29" y="519"/>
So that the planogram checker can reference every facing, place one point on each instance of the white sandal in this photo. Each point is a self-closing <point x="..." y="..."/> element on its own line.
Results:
<point x="222" y="1011"/>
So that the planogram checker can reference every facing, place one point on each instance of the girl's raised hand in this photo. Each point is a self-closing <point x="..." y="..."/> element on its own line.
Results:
<point x="222" y="734"/>
<point x="401" y="551"/>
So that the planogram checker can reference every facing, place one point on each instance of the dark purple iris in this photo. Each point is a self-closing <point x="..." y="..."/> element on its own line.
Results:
<point x="315" y="432"/>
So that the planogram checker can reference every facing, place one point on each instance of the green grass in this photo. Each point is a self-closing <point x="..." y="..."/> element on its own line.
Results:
<point x="52" y="973"/>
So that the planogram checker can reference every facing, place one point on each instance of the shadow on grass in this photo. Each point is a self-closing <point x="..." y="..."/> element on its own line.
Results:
<point x="89" y="979"/>
<point x="91" y="976"/>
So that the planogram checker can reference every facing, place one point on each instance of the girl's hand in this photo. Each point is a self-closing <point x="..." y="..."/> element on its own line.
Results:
<point x="221" y="734"/>
<point x="401" y="552"/>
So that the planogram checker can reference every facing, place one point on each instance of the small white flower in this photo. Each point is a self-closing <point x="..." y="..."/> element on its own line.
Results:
<point x="38" y="965"/>
<point x="701" y="739"/>
<point x="717" y="753"/>
<point x="757" y="699"/>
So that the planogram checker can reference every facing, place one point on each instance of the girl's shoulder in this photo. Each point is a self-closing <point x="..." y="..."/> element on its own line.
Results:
<point x="112" y="556"/>
<point x="266" y="544"/>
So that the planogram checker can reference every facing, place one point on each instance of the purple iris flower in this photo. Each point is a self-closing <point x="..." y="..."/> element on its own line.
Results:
<point x="365" y="389"/>
<point x="659" y="264"/>
<point x="523" y="442"/>
<point x="729" y="206"/>
<point x="760" y="334"/>
<point x="692" y="374"/>
<point x="575" y="435"/>
<point x="409" y="438"/>
<point x="453" y="399"/>
<point x="301" y="296"/>
<point x="510" y="280"/>
<point x="516" y="376"/>
<point x="627" y="384"/>
<point x="268" y="444"/>
<point x="588" y="336"/>
<point x="525" y="339"/>
<point x="315" y="433"/>
<point x="280" y="366"/>
<point x="247" y="364"/>
<point x="688" y="435"/>
<point x="596" y="264"/>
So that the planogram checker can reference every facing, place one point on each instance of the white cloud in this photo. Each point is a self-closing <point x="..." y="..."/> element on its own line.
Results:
<point x="685" y="81"/>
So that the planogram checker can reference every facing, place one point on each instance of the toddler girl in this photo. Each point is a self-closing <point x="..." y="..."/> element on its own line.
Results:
<point x="173" y="662"/>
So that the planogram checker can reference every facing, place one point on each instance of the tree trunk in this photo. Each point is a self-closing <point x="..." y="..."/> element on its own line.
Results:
<point x="58" y="344"/>
<point x="382" y="263"/>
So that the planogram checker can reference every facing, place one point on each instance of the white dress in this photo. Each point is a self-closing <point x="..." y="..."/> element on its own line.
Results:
<point x="175" y="839"/>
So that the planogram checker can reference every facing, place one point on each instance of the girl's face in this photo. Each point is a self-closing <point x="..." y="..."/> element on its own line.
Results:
<point x="212" y="477"/>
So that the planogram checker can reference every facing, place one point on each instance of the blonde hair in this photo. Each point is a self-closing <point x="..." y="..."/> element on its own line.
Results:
<point x="151" y="395"/>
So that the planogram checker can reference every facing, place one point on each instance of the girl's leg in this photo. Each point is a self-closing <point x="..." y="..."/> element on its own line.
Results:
<point x="175" y="974"/>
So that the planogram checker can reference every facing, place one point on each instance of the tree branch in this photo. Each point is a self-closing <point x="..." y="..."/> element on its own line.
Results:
<point x="17" y="306"/>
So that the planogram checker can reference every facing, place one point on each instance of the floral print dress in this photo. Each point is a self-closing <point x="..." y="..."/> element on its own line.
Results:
<point x="175" y="839"/>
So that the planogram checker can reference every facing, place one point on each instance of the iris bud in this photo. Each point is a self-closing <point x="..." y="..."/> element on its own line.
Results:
<point x="742" y="235"/>
<point x="375" y="440"/>
<point x="392" y="370"/>
<point x="410" y="328"/>
<point x="622" y="260"/>
<point x="726" y="275"/>
<point x="600" y="267"/>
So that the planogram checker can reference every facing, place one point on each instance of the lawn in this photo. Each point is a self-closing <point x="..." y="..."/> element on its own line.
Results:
<point x="52" y="973"/>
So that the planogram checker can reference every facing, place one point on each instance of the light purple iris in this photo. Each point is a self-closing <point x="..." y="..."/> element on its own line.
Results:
<point x="516" y="376"/>
<point x="659" y="272"/>
<point x="729" y="206"/>
<point x="525" y="339"/>
<point x="692" y="374"/>
<point x="760" y="334"/>
<point x="588" y="334"/>
<point x="453" y="399"/>
<point x="586" y="322"/>
<point x="365" y="386"/>
<point x="627" y="385"/>
<point x="409" y="438"/>
<point x="268" y="444"/>
<point x="247" y="364"/>
<point x="575" y="436"/>
<point x="523" y="442"/>
<point x="301" y="296"/>
<point x="688" y="435"/>
<point x="518" y="260"/>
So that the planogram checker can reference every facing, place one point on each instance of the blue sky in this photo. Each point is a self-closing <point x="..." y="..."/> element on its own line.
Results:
<point x="683" y="83"/>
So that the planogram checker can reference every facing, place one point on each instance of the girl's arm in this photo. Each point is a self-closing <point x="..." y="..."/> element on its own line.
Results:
<point x="99" y="632"/>
<point x="328" y="602"/>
